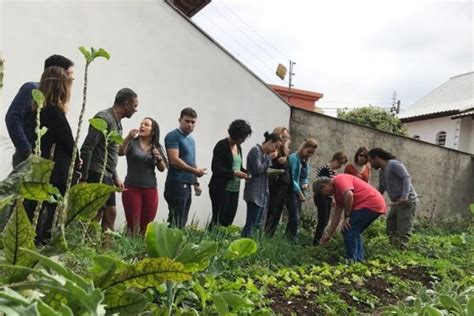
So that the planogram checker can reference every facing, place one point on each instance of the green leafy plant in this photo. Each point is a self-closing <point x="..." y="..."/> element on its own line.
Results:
<point x="89" y="56"/>
<point x="109" y="137"/>
<point x="374" y="117"/>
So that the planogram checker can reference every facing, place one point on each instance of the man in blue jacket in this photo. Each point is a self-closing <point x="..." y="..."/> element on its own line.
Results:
<point x="20" y="119"/>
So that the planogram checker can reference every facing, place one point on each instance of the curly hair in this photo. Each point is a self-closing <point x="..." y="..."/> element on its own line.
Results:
<point x="239" y="129"/>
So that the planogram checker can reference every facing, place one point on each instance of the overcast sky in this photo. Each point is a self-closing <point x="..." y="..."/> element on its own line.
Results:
<point x="354" y="52"/>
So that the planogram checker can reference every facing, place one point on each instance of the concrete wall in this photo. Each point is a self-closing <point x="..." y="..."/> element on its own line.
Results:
<point x="155" y="51"/>
<point x="442" y="177"/>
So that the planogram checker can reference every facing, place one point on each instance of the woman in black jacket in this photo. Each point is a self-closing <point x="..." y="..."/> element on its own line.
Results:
<point x="227" y="171"/>
<point x="58" y="141"/>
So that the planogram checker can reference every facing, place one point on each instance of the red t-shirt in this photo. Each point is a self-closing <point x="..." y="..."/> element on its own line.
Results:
<point x="365" y="195"/>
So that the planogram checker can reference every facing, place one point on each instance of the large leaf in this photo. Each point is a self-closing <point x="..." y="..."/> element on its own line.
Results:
<point x="125" y="302"/>
<point x="150" y="272"/>
<point x="242" y="247"/>
<point x="221" y="305"/>
<point x="104" y="268"/>
<point x="99" y="124"/>
<point x="450" y="303"/>
<point x="35" y="183"/>
<point x="196" y="258"/>
<point x="234" y="301"/>
<point x="115" y="137"/>
<point x="18" y="234"/>
<point x="162" y="241"/>
<point x="101" y="53"/>
<point x="85" y="199"/>
<point x="59" y="269"/>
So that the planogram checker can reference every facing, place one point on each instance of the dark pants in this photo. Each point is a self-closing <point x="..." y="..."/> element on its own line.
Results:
<point x="224" y="207"/>
<point x="359" y="220"/>
<point x="323" y="204"/>
<point x="277" y="200"/>
<point x="254" y="218"/>
<point x="294" y="208"/>
<point x="178" y="197"/>
<point x="107" y="214"/>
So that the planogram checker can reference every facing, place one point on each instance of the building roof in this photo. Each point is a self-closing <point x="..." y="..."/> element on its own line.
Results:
<point x="452" y="97"/>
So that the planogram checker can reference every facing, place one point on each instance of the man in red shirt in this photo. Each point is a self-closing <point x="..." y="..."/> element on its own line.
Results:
<point x="361" y="203"/>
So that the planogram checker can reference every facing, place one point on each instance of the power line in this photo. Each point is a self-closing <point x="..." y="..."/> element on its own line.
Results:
<point x="246" y="49"/>
<point x="254" y="31"/>
<point x="260" y="47"/>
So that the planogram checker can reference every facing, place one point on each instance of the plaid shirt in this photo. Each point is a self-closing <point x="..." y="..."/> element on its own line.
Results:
<point x="256" y="188"/>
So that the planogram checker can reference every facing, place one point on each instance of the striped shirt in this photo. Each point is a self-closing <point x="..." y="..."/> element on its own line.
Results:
<point x="325" y="171"/>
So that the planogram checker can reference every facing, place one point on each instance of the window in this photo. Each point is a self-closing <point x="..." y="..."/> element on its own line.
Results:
<point x="417" y="137"/>
<point x="441" y="138"/>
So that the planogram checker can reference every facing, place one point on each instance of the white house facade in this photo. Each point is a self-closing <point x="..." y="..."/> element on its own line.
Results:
<point x="445" y="116"/>
<point x="156" y="51"/>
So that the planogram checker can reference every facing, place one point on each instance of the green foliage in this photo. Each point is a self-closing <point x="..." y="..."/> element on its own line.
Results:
<point x="66" y="291"/>
<point x="35" y="175"/>
<point x="85" y="199"/>
<point x="18" y="233"/>
<point x="242" y="248"/>
<point x="162" y="241"/>
<point x="93" y="53"/>
<point x="146" y="273"/>
<point x="445" y="299"/>
<point x="374" y="117"/>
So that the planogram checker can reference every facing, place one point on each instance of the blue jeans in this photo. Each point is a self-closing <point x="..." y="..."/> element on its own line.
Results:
<point x="178" y="197"/>
<point x="294" y="208"/>
<point x="359" y="220"/>
<point x="254" y="218"/>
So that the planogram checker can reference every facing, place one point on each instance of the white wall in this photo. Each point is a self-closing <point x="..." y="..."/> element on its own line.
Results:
<point x="467" y="135"/>
<point x="156" y="52"/>
<point x="427" y="130"/>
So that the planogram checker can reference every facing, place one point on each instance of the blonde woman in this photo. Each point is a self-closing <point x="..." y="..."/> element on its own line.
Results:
<point x="299" y="166"/>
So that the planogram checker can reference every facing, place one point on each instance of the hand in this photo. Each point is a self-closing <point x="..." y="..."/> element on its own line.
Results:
<point x="199" y="172"/>
<point x="157" y="155"/>
<point x="282" y="160"/>
<point x="273" y="155"/>
<point x="402" y="200"/>
<point x="119" y="184"/>
<point x="133" y="133"/>
<point x="301" y="197"/>
<point x="79" y="164"/>
<point x="346" y="224"/>
<point x="241" y="175"/>
<point x="324" y="239"/>
<point x="197" y="190"/>
<point x="305" y="186"/>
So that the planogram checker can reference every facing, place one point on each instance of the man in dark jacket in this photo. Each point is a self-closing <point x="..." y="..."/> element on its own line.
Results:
<point x="93" y="152"/>
<point x="20" y="119"/>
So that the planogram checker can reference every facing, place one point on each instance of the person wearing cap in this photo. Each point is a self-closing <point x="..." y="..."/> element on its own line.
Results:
<point x="360" y="203"/>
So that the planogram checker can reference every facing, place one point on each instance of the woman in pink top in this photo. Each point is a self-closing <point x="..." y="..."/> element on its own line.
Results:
<point x="361" y="203"/>
<point x="361" y="166"/>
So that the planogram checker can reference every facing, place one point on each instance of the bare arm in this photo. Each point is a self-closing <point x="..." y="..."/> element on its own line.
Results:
<point x="348" y="202"/>
<point x="178" y="163"/>
<point x="126" y="142"/>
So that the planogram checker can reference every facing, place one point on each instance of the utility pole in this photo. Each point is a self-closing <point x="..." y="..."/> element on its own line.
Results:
<point x="290" y="79"/>
<point x="395" y="109"/>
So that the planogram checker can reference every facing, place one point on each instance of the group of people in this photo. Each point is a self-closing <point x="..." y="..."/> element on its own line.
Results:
<point x="274" y="178"/>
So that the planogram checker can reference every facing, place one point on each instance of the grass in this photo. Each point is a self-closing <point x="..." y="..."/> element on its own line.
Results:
<point x="287" y="276"/>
